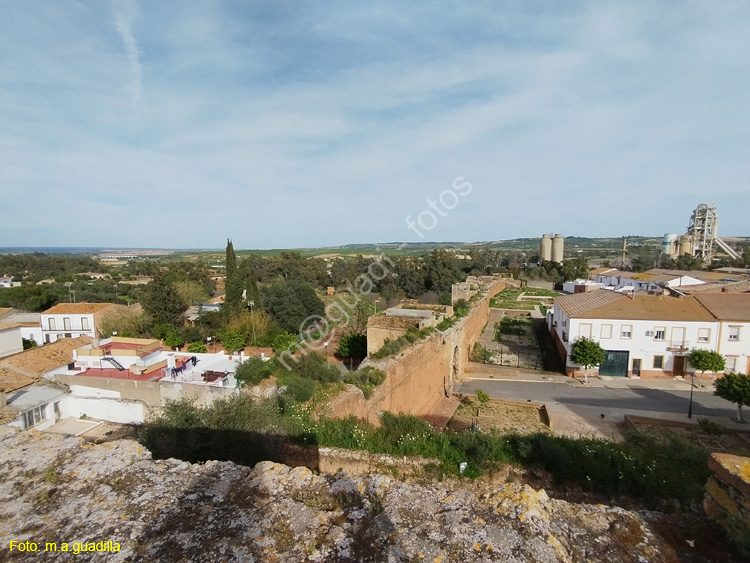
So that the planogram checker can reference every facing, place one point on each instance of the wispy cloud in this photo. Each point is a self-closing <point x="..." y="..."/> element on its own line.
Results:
<point x="260" y="118"/>
<point x="126" y="14"/>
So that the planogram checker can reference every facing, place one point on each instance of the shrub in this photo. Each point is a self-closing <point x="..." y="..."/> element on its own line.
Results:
<point x="174" y="340"/>
<point x="710" y="427"/>
<point x="253" y="371"/>
<point x="234" y="341"/>
<point x="197" y="348"/>
<point x="461" y="308"/>
<point x="445" y="324"/>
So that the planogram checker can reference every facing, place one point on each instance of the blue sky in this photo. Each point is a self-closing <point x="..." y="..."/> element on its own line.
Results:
<point x="298" y="124"/>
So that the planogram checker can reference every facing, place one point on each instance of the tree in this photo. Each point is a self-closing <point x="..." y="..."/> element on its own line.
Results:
<point x="161" y="302"/>
<point x="174" y="340"/>
<point x="283" y="341"/>
<point x="362" y="311"/>
<point x="587" y="353"/>
<point x="235" y="284"/>
<point x="353" y="345"/>
<point x="706" y="360"/>
<point x="191" y="292"/>
<point x="234" y="341"/>
<point x="734" y="387"/>
<point x="290" y="303"/>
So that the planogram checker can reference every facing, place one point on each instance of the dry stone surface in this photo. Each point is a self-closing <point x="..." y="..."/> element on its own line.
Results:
<point x="58" y="489"/>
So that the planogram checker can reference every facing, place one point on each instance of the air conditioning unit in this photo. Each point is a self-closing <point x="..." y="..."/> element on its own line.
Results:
<point x="650" y="333"/>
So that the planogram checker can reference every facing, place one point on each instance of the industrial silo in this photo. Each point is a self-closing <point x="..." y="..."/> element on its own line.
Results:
<point x="686" y="245"/>
<point x="545" y="249"/>
<point x="669" y="245"/>
<point x="558" y="244"/>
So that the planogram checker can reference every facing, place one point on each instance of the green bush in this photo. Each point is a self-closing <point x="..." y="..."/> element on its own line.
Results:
<point x="300" y="389"/>
<point x="710" y="427"/>
<point x="196" y="348"/>
<point x="445" y="324"/>
<point x="253" y="370"/>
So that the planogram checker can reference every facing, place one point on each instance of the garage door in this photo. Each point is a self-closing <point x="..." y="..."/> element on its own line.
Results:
<point x="615" y="363"/>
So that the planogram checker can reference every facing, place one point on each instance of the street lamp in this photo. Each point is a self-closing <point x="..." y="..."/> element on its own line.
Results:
<point x="692" y="384"/>
<point x="326" y="347"/>
<point x="208" y="339"/>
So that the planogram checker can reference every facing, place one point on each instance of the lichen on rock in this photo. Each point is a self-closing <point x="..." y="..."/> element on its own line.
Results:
<point x="58" y="489"/>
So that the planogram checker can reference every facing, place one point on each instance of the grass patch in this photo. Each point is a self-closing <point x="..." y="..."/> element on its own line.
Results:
<point x="391" y="347"/>
<point x="245" y="431"/>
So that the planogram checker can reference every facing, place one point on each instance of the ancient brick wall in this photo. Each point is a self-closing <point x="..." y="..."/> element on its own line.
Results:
<point x="421" y="376"/>
<point x="727" y="498"/>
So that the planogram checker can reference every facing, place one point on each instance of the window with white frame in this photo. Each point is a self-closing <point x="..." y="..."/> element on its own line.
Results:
<point x="660" y="333"/>
<point x="51" y="324"/>
<point x="730" y="363"/>
<point x="704" y="334"/>
<point x="85" y="323"/>
<point x="734" y="333"/>
<point x="606" y="331"/>
<point x="584" y="330"/>
<point x="34" y="416"/>
<point x="66" y="323"/>
<point x="626" y="331"/>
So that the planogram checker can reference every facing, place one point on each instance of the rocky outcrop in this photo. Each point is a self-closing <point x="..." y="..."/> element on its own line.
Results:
<point x="57" y="489"/>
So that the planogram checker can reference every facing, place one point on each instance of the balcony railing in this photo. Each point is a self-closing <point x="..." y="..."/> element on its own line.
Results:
<point x="678" y="345"/>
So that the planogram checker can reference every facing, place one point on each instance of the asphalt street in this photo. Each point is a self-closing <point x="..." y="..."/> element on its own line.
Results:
<point x="586" y="399"/>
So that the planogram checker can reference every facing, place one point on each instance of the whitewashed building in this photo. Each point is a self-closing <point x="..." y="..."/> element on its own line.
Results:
<point x="70" y="320"/>
<point x="643" y="335"/>
<point x="732" y="311"/>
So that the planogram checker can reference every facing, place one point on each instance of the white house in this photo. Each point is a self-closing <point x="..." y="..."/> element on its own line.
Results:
<point x="643" y="335"/>
<point x="70" y="320"/>
<point x="732" y="311"/>
<point x="644" y="281"/>
<point x="37" y="406"/>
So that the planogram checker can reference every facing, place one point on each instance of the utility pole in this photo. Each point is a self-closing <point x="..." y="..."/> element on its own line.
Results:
<point x="624" y="251"/>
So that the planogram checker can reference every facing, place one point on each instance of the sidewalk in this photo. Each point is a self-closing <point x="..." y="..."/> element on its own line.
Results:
<point x="607" y="382"/>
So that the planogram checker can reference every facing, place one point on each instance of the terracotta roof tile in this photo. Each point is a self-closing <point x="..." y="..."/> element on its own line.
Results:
<point x="77" y="308"/>
<point x="577" y="303"/>
<point x="727" y="306"/>
<point x="6" y="326"/>
<point x="11" y="380"/>
<point x="595" y="305"/>
<point x="36" y="361"/>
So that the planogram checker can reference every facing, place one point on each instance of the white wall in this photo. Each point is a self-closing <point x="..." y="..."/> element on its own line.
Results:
<point x="32" y="333"/>
<point x="113" y="410"/>
<point x="738" y="349"/>
<point x="76" y="326"/>
<point x="10" y="341"/>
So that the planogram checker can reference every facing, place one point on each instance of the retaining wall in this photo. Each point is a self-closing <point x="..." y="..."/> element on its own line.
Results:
<point x="422" y="375"/>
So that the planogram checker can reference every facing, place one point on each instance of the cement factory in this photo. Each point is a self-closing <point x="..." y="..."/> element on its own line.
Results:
<point x="701" y="239"/>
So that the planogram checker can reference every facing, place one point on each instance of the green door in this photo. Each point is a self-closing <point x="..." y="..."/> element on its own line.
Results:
<point x="615" y="363"/>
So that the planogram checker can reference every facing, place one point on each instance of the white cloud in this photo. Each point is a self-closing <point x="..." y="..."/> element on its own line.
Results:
<point x="126" y="13"/>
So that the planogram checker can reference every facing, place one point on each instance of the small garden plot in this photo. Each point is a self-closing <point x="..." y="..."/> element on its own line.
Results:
<point x="502" y="416"/>
<point x="514" y="330"/>
<point x="524" y="299"/>
<point x="709" y="435"/>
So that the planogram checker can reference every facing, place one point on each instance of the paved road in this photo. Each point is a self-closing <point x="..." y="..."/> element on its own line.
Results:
<point x="587" y="399"/>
